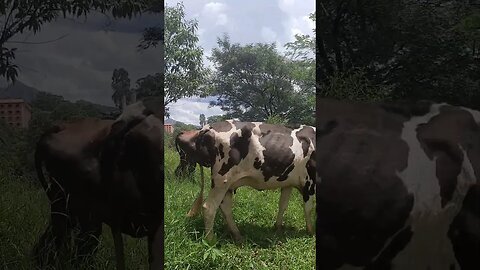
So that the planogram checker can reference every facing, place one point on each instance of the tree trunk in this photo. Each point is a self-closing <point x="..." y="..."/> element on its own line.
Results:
<point x="124" y="102"/>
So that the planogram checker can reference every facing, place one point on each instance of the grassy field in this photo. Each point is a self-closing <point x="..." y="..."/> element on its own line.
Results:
<point x="24" y="214"/>
<point x="254" y="212"/>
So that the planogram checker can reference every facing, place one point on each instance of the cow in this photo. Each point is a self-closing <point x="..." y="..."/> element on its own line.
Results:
<point x="185" y="148"/>
<point x="103" y="171"/>
<point x="398" y="185"/>
<point x="259" y="155"/>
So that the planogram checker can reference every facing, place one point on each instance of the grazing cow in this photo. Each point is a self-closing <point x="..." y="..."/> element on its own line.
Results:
<point x="185" y="148"/>
<point x="105" y="171"/>
<point x="398" y="186"/>
<point x="259" y="155"/>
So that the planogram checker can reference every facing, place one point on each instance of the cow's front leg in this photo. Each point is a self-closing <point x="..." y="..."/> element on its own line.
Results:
<point x="215" y="197"/>
<point x="155" y="254"/>
<point x="226" y="207"/>
<point x="118" y="243"/>
<point x="282" y="206"/>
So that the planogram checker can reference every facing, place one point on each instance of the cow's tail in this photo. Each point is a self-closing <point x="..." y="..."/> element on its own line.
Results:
<point x="197" y="204"/>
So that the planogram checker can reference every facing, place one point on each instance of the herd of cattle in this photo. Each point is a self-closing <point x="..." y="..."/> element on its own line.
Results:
<point x="395" y="186"/>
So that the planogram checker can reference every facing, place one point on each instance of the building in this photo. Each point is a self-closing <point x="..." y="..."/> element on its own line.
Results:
<point x="168" y="128"/>
<point x="15" y="112"/>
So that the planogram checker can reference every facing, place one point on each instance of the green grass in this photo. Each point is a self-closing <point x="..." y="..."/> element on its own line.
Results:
<point x="24" y="214"/>
<point x="254" y="212"/>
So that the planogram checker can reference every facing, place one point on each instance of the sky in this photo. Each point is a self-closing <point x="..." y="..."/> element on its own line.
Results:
<point x="247" y="21"/>
<point x="80" y="64"/>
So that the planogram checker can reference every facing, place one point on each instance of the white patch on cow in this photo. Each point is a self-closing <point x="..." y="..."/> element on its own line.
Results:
<point x="429" y="247"/>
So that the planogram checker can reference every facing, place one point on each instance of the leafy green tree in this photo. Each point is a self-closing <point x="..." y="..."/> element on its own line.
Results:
<point x="30" y="15"/>
<point x="184" y="70"/>
<point x="216" y="118"/>
<point x="202" y="120"/>
<point x="417" y="49"/>
<point x="254" y="82"/>
<point x="121" y="87"/>
<point x="150" y="85"/>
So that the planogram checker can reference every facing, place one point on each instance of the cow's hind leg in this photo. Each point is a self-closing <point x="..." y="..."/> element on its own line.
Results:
<point x="308" y="193"/>
<point x="210" y="207"/>
<point x="282" y="206"/>
<point x="226" y="207"/>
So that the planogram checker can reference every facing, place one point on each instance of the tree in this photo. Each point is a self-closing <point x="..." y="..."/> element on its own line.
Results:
<point x="31" y="15"/>
<point x="254" y="82"/>
<point x="184" y="70"/>
<point x="216" y="118"/>
<point x="150" y="85"/>
<point x="202" y="120"/>
<point x="121" y="87"/>
<point x="415" y="48"/>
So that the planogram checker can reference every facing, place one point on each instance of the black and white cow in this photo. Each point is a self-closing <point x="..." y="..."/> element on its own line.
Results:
<point x="259" y="155"/>
<point x="398" y="186"/>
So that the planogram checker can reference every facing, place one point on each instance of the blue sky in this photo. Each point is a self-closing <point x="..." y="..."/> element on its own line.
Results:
<point x="247" y="21"/>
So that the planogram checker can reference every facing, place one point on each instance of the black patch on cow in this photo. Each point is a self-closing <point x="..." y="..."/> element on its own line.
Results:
<point x="284" y="175"/>
<point x="278" y="156"/>
<point x="306" y="190"/>
<point x="257" y="163"/>
<point x="221" y="126"/>
<point x="397" y="244"/>
<point x="326" y="129"/>
<point x="362" y="201"/>
<point x="266" y="129"/>
<point x="220" y="151"/>
<point x="238" y="149"/>
<point x="306" y="135"/>
<point x="407" y="108"/>
<point x="464" y="232"/>
<point x="240" y="125"/>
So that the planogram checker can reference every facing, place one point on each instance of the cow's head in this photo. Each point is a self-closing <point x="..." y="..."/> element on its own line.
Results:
<point x="185" y="145"/>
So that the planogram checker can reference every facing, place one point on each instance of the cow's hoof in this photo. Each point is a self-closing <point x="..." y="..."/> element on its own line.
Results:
<point x="211" y="239"/>
<point x="239" y="240"/>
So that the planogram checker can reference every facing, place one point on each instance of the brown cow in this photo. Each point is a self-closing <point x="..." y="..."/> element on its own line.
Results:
<point x="95" y="175"/>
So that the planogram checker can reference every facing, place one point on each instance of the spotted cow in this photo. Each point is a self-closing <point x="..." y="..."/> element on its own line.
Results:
<point x="398" y="186"/>
<point x="259" y="155"/>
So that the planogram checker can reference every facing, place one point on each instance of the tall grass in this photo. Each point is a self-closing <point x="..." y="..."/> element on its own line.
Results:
<point x="24" y="214"/>
<point x="254" y="212"/>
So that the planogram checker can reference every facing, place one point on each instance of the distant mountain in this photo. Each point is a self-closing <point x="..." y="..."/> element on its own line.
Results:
<point x="19" y="90"/>
<point x="29" y="94"/>
<point x="170" y="121"/>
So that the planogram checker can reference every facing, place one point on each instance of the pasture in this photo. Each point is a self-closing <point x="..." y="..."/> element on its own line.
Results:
<point x="24" y="214"/>
<point x="254" y="212"/>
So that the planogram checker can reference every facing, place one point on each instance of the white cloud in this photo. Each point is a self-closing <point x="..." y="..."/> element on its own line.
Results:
<point x="216" y="11"/>
<point x="268" y="34"/>
<point x="214" y="7"/>
<point x="188" y="110"/>
<point x="297" y="20"/>
<point x="222" y="19"/>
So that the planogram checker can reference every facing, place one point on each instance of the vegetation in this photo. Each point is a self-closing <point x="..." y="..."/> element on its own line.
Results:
<point x="254" y="213"/>
<point x="184" y="70"/>
<point x="401" y="49"/>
